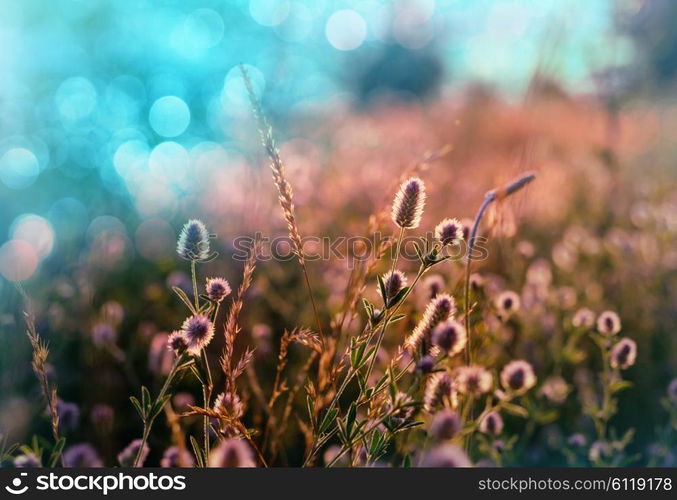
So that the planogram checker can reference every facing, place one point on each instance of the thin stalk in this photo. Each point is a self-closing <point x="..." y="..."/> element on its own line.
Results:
<point x="194" y="278"/>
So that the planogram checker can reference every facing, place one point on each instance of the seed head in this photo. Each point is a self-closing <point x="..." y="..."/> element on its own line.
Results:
<point x="409" y="203"/>
<point x="198" y="331"/>
<point x="394" y="282"/>
<point x="623" y="354"/>
<point x="491" y="423"/>
<point x="193" y="243"/>
<point x="446" y="455"/>
<point x="127" y="456"/>
<point x="584" y="318"/>
<point x="473" y="380"/>
<point x="217" y="289"/>
<point x="228" y="404"/>
<point x="608" y="323"/>
<point x="445" y="425"/>
<point x="449" y="232"/>
<point x="439" y="309"/>
<point x="232" y="452"/>
<point x="450" y="337"/>
<point x="518" y="377"/>
<point x="440" y="387"/>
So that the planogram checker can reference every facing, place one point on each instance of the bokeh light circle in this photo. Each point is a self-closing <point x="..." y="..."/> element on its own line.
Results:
<point x="346" y="30"/>
<point x="75" y="98"/>
<point x="18" y="260"/>
<point x="35" y="230"/>
<point x="269" y="12"/>
<point x="19" y="168"/>
<point x="155" y="239"/>
<point x="69" y="218"/>
<point x="169" y="116"/>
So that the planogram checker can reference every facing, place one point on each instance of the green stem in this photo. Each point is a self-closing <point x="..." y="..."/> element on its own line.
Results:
<point x="193" y="275"/>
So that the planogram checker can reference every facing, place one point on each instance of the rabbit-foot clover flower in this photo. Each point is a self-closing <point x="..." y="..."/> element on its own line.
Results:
<point x="518" y="377"/>
<point x="232" y="452"/>
<point x="393" y="282"/>
<point x="450" y="337"/>
<point x="623" y="354"/>
<point x="440" y="387"/>
<point x="507" y="303"/>
<point x="433" y="285"/>
<point x="193" y="243"/>
<point x="82" y="455"/>
<point x="439" y="309"/>
<point x="445" y="425"/>
<point x="177" y="341"/>
<point x="198" y="331"/>
<point x="449" y="232"/>
<point x="473" y="380"/>
<point x="229" y="405"/>
<point x="584" y="318"/>
<point x="176" y="457"/>
<point x="217" y="289"/>
<point x="103" y="334"/>
<point x="127" y="456"/>
<point x="409" y="202"/>
<point x="446" y="455"/>
<point x="491" y="423"/>
<point x="608" y="323"/>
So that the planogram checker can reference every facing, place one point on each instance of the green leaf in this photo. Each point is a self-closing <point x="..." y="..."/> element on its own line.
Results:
<point x="398" y="297"/>
<point x="619" y="386"/>
<point x="138" y="407"/>
<point x="350" y="419"/>
<point x="56" y="452"/>
<point x="382" y="288"/>
<point x="369" y="307"/>
<point x="327" y="420"/>
<point x="311" y="410"/>
<point x="145" y="399"/>
<point x="419" y="253"/>
<point x="398" y="317"/>
<point x="197" y="452"/>
<point x="184" y="298"/>
<point x="157" y="406"/>
<point x="516" y="410"/>
<point x="406" y="463"/>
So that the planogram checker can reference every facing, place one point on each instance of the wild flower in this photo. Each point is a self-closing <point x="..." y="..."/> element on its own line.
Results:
<point x="112" y="312"/>
<point x="102" y="416"/>
<point x="518" y="377"/>
<point x="446" y="455"/>
<point x="623" y="354"/>
<point x="555" y="389"/>
<point x="577" y="440"/>
<point x="193" y="243"/>
<point x="182" y="400"/>
<point x="82" y="455"/>
<point x="69" y="414"/>
<point x="402" y="407"/>
<point x="507" y="303"/>
<point x="439" y="309"/>
<point x="103" y="334"/>
<point x="491" y="423"/>
<point x="217" y="289"/>
<point x="449" y="232"/>
<point x="608" y="323"/>
<point x="450" y="337"/>
<point x="466" y="228"/>
<point x="409" y="202"/>
<point x="440" y="388"/>
<point x="127" y="456"/>
<point x="232" y="452"/>
<point x="177" y="341"/>
<point x="672" y="390"/>
<point x="159" y="358"/>
<point x="433" y="285"/>
<point x="473" y="380"/>
<point x="198" y="331"/>
<point x="584" y="318"/>
<point x="599" y="450"/>
<point x="176" y="457"/>
<point x="445" y="425"/>
<point x="476" y="282"/>
<point x="228" y="404"/>
<point x="393" y="282"/>
<point x="426" y="364"/>
<point x="27" y="460"/>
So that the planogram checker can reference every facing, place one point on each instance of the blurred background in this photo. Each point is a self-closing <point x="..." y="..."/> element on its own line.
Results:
<point x="121" y="120"/>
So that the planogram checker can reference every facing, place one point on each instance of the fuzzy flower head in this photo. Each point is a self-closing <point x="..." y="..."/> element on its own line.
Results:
<point x="584" y="318"/>
<point x="608" y="323"/>
<point x="82" y="455"/>
<point x="127" y="456"/>
<point x="198" y="330"/>
<point x="491" y="424"/>
<point x="473" y="380"/>
<point x="103" y="334"/>
<point x="228" y="404"/>
<point x="518" y="377"/>
<point x="177" y="341"/>
<point x="176" y="457"/>
<point x="27" y="460"/>
<point x="438" y="390"/>
<point x="623" y="354"/>
<point x="445" y="425"/>
<point x="217" y="289"/>
<point x="507" y="303"/>
<point x="409" y="203"/>
<point x="449" y="232"/>
<point x="555" y="389"/>
<point x="69" y="414"/>
<point x="439" y="309"/>
<point x="446" y="455"/>
<point x="193" y="243"/>
<point x="433" y="285"/>
<point x="232" y="452"/>
<point x="393" y="282"/>
<point x="450" y="337"/>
